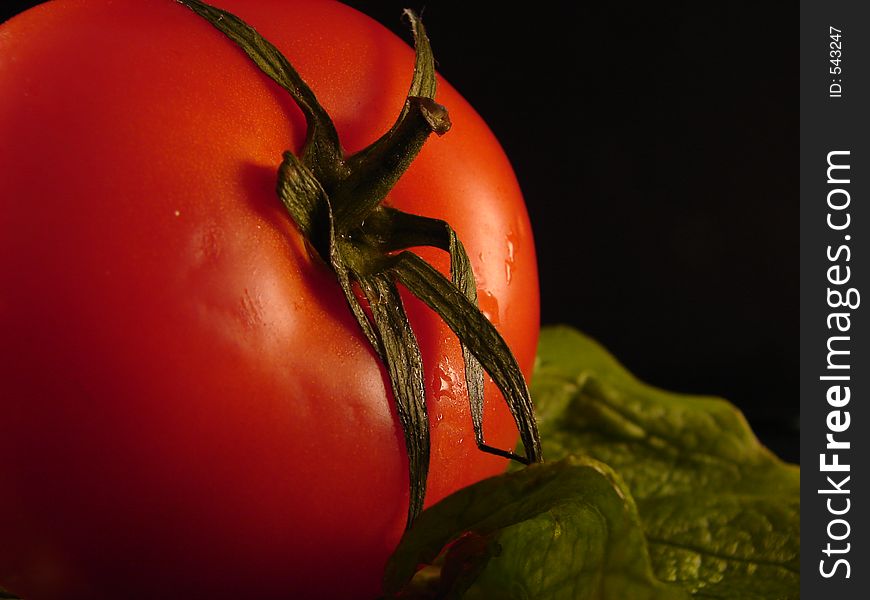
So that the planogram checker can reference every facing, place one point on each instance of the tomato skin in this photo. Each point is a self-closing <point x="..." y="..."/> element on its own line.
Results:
<point x="188" y="407"/>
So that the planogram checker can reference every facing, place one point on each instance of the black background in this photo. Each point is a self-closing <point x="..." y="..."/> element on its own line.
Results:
<point x="657" y="148"/>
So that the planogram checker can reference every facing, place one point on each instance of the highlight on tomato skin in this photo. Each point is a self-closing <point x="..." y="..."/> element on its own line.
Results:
<point x="188" y="405"/>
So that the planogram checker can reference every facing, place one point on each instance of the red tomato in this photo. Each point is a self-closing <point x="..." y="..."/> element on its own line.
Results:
<point x="189" y="410"/>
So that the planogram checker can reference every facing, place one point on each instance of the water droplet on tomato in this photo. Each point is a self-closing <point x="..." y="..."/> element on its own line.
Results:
<point x="511" y="252"/>
<point x="446" y="380"/>
<point x="443" y="387"/>
<point x="488" y="306"/>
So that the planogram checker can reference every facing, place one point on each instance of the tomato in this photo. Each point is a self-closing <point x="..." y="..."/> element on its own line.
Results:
<point x="188" y="407"/>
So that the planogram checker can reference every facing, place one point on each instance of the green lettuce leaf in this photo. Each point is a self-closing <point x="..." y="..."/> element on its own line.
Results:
<point x="565" y="529"/>
<point x="689" y="503"/>
<point x="721" y="513"/>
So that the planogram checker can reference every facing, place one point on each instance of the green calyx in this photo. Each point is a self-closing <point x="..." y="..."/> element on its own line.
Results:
<point x="336" y="203"/>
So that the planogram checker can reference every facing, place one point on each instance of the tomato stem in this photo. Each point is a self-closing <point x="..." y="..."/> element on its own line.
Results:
<point x="336" y="202"/>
